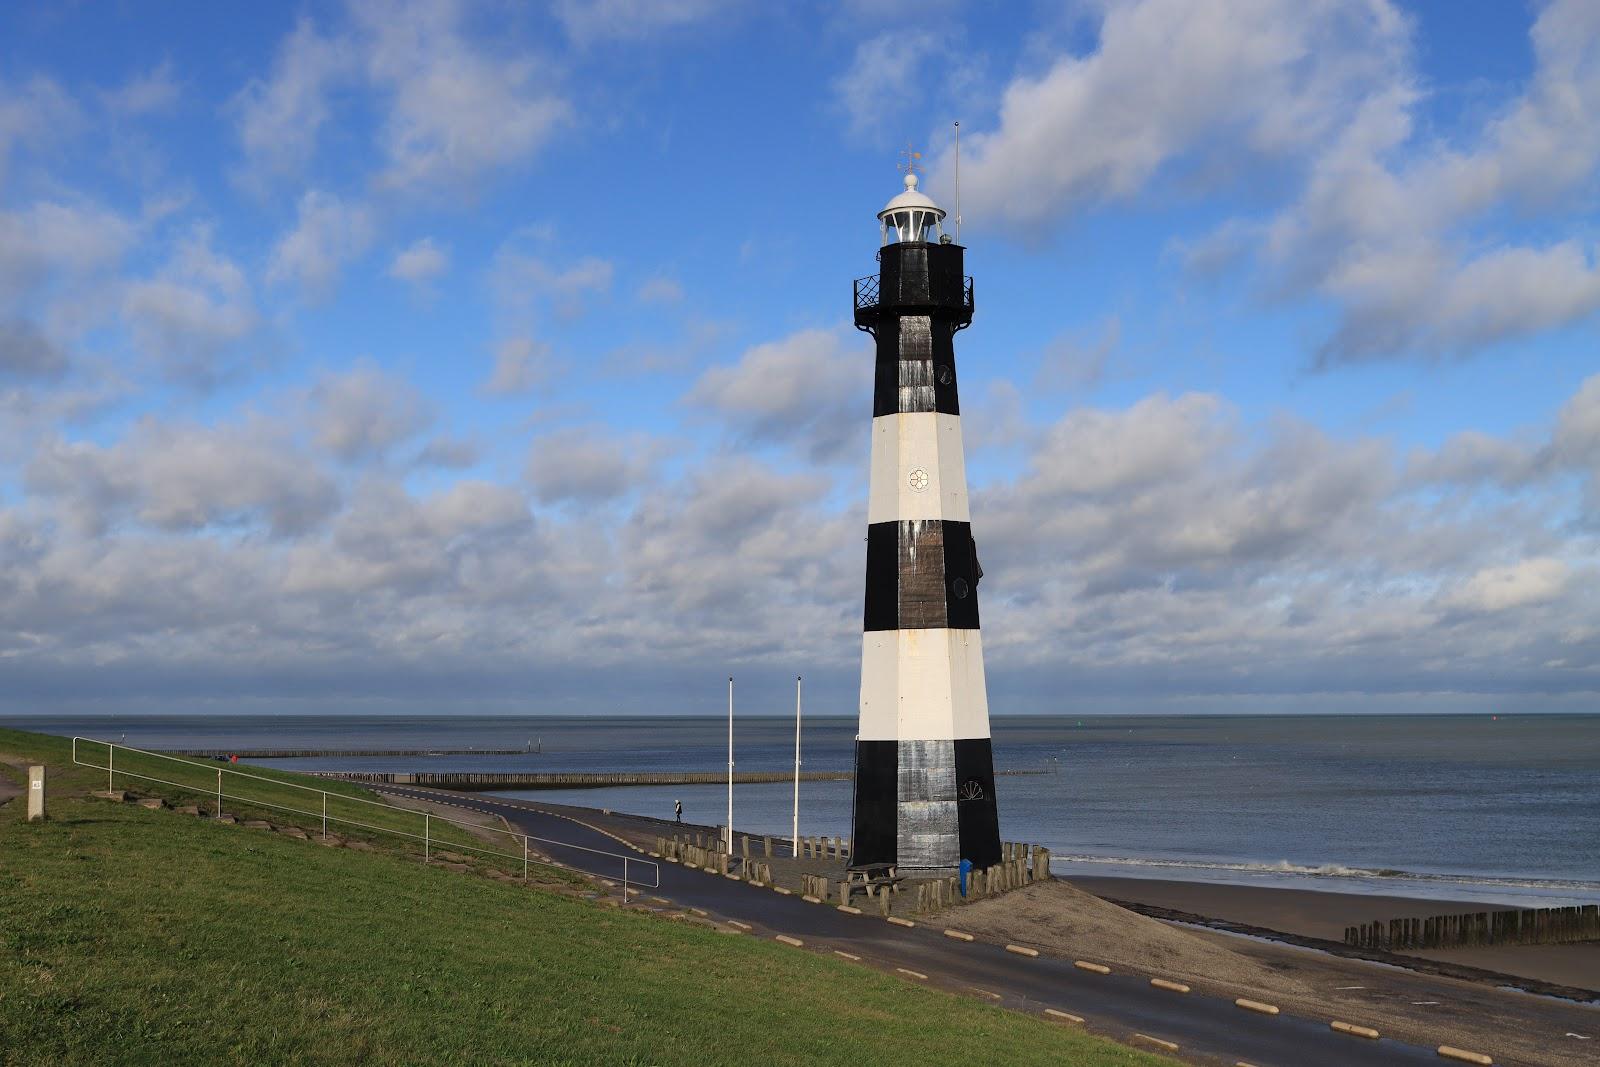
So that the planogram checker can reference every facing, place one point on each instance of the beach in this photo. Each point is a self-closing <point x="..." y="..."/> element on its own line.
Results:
<point x="1323" y="916"/>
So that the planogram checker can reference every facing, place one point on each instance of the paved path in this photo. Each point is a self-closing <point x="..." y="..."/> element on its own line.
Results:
<point x="1207" y="1029"/>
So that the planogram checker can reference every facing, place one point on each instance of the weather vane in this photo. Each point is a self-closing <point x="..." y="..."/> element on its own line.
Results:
<point x="910" y="160"/>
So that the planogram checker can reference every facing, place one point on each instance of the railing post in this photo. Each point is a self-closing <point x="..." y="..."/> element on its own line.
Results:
<point x="427" y="837"/>
<point x="111" y="761"/>
<point x="524" y="857"/>
<point x="219" y="792"/>
<point x="324" y="814"/>
<point x="624" y="881"/>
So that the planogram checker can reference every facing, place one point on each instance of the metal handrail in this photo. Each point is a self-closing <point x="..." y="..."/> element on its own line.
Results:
<point x="869" y="295"/>
<point x="426" y="837"/>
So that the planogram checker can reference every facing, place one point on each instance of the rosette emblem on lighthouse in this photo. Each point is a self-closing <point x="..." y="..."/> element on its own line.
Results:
<point x="924" y="786"/>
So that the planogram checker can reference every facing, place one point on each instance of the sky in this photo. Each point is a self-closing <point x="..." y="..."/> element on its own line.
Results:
<point x="498" y="358"/>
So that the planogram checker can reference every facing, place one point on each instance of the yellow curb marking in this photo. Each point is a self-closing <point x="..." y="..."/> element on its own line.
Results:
<point x="1257" y="1006"/>
<point x="809" y="899"/>
<point x="787" y="940"/>
<point x="914" y="974"/>
<point x="899" y="921"/>
<point x="1170" y="1046"/>
<point x="1063" y="1016"/>
<point x="846" y="955"/>
<point x="1022" y="950"/>
<point x="984" y="993"/>
<point x="1097" y="968"/>
<point x="958" y="935"/>
<point x="785" y="892"/>
<point x="848" y="910"/>
<point x="740" y="925"/>
<point x="1450" y="1052"/>
<point x="1175" y="987"/>
<point x="1354" y="1030"/>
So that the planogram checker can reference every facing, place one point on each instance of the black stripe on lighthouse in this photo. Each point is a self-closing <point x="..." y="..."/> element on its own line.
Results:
<point x="916" y="366"/>
<point x="921" y="574"/>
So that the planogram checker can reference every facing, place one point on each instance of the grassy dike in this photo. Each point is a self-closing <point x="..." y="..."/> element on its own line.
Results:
<point x="130" y="936"/>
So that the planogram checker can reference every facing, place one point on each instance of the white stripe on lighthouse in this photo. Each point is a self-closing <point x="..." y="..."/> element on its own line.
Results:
<point x="923" y="685"/>
<point x="918" y="441"/>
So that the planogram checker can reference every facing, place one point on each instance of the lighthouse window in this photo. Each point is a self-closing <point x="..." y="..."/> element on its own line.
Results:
<point x="959" y="587"/>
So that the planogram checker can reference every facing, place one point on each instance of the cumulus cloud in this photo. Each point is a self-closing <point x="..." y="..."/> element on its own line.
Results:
<point x="1169" y="78"/>
<point x="33" y="112"/>
<point x="804" y="391"/>
<point x="26" y="354"/>
<point x="328" y="234"/>
<point x="191" y="315"/>
<point x="661" y="290"/>
<point x="588" y="466"/>
<point x="182" y="478"/>
<point x="452" y="108"/>
<point x="456" y="110"/>
<point x="420" y="263"/>
<point x="520" y="364"/>
<point x="149" y="93"/>
<point x="279" y="118"/>
<point x="362" y="413"/>
<point x="591" y="21"/>
<point x="1494" y="589"/>
<point x="885" y="77"/>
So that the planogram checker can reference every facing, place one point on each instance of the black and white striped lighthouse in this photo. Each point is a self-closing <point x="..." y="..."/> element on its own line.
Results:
<point x="924" y="787"/>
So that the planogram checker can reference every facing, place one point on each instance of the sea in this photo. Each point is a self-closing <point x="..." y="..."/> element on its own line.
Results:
<point x="1498" y="809"/>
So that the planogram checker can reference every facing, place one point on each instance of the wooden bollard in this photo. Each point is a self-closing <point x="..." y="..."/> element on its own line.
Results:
<point x="766" y="846"/>
<point x="744" y="845"/>
<point x="838" y="849"/>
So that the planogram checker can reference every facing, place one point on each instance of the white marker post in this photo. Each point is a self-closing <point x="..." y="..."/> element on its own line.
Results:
<point x="730" y="768"/>
<point x="795" y="833"/>
<point x="35" y="793"/>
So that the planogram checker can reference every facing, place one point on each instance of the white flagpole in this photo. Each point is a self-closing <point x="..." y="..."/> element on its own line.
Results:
<point x="730" y="766"/>
<point x="796" y="831"/>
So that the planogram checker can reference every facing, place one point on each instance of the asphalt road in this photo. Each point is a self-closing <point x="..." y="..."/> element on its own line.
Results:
<point x="1206" y="1029"/>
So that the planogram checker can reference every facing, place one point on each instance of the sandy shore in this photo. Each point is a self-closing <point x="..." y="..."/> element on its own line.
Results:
<point x="1314" y="914"/>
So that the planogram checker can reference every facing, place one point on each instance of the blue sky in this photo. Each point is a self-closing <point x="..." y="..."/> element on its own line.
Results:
<point x="424" y="355"/>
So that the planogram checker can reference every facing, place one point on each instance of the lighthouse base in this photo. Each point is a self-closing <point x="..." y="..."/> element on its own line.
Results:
<point x="925" y="804"/>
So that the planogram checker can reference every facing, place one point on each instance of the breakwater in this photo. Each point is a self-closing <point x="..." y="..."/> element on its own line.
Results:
<point x="472" y="781"/>
<point x="320" y="753"/>
<point x="1524" y="926"/>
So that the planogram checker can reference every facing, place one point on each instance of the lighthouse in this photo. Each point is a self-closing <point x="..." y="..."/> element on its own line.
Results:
<point x="924" y="783"/>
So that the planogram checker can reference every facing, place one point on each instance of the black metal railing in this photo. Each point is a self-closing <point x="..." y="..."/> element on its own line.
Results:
<point x="867" y="292"/>
<point x="868" y="295"/>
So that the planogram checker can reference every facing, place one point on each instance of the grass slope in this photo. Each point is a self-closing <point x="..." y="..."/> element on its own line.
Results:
<point x="130" y="936"/>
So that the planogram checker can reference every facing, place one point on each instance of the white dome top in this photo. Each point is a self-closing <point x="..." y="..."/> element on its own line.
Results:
<point x="911" y="199"/>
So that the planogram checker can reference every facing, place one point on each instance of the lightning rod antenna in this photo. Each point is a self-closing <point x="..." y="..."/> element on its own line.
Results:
<point x="958" y="183"/>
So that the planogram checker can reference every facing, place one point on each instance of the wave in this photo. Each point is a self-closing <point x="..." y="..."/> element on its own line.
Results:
<point x="1337" y="870"/>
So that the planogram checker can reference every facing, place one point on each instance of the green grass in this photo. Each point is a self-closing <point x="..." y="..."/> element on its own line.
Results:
<point x="252" y="792"/>
<point x="130" y="936"/>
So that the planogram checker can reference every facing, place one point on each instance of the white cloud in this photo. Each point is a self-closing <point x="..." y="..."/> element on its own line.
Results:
<point x="190" y="315"/>
<point x="588" y="466"/>
<point x="589" y="21"/>
<point x="661" y="290"/>
<point x="456" y="111"/>
<point x="26" y="354"/>
<point x="885" y="77"/>
<point x="1493" y="589"/>
<point x="34" y="112"/>
<point x="1169" y="78"/>
<point x="520" y="363"/>
<point x="804" y="390"/>
<point x="280" y="119"/>
<point x="362" y="413"/>
<point x="328" y="234"/>
<point x="150" y="93"/>
<point x="421" y="262"/>
<point x="186" y="477"/>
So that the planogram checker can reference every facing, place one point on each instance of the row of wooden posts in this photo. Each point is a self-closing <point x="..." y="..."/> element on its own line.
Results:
<point x="1528" y="926"/>
<point x="714" y="858"/>
<point x="812" y="847"/>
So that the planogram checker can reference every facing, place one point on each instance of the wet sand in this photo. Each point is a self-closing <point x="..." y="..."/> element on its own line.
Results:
<point x="1323" y="915"/>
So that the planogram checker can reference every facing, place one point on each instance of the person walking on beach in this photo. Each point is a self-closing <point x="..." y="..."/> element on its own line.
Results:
<point x="677" y="809"/>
